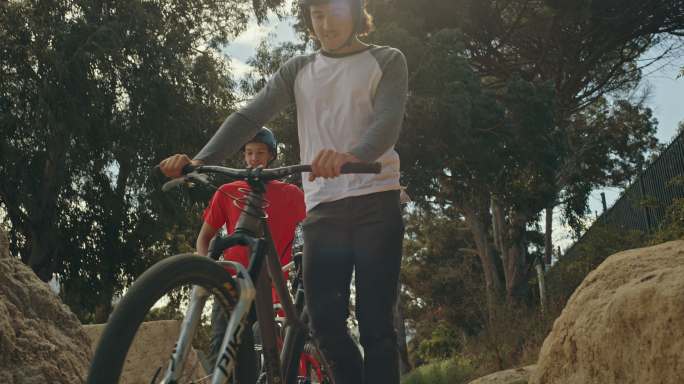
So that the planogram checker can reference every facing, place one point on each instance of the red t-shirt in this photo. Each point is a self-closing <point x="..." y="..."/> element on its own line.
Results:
<point x="285" y="210"/>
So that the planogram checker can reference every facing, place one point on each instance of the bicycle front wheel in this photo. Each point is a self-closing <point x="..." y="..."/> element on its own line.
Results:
<point x="157" y="299"/>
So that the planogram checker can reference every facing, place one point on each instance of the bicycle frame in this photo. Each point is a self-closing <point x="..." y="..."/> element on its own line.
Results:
<point x="254" y="283"/>
<point x="252" y="231"/>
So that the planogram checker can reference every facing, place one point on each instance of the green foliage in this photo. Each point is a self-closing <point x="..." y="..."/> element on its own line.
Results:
<point x="498" y="121"/>
<point x="442" y="343"/>
<point x="442" y="281"/>
<point x="601" y="242"/>
<point x="445" y="303"/>
<point x="464" y="137"/>
<point x="672" y="227"/>
<point x="513" y="341"/>
<point x="499" y="124"/>
<point x="452" y="371"/>
<point x="92" y="96"/>
<point x="440" y="289"/>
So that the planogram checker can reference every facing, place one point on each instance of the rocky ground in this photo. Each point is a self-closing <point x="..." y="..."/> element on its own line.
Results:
<point x="623" y="325"/>
<point x="511" y="376"/>
<point x="41" y="341"/>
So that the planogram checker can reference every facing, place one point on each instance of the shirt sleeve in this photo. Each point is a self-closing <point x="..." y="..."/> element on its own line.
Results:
<point x="243" y="124"/>
<point x="216" y="214"/>
<point x="297" y="203"/>
<point x="388" y="104"/>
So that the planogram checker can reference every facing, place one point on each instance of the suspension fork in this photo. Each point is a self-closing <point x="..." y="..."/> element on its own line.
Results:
<point x="188" y="330"/>
<point x="225" y="364"/>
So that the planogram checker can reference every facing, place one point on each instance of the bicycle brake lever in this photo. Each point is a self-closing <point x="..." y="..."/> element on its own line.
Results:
<point x="169" y="185"/>
<point x="192" y="176"/>
<point x="200" y="177"/>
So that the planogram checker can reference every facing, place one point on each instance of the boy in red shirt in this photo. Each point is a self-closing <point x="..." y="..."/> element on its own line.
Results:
<point x="285" y="211"/>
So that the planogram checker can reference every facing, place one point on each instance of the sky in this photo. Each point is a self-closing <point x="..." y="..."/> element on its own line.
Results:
<point x="243" y="48"/>
<point x="665" y="96"/>
<point x="666" y="99"/>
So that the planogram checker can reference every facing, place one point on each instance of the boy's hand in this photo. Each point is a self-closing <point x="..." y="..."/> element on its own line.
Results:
<point x="173" y="165"/>
<point x="328" y="163"/>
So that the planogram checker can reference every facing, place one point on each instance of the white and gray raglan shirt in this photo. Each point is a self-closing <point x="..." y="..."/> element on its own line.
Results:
<point x="349" y="103"/>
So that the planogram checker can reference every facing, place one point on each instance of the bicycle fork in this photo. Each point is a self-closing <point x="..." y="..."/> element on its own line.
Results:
<point x="189" y="325"/>
<point x="226" y="362"/>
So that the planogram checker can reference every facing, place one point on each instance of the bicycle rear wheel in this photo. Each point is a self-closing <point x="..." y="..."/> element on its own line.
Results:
<point x="149" y="298"/>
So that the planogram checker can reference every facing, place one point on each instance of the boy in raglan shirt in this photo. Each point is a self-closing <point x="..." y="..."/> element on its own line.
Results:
<point x="350" y="100"/>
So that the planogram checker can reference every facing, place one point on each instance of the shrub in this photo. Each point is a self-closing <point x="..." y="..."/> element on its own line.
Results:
<point x="456" y="370"/>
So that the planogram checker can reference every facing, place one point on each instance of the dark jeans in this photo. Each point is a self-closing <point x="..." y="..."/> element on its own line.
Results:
<point x="362" y="234"/>
<point x="246" y="370"/>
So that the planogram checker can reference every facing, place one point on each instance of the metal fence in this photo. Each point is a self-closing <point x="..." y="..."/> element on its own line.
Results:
<point x="643" y="205"/>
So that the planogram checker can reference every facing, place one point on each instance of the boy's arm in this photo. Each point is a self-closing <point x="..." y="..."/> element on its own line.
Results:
<point x="388" y="105"/>
<point x="204" y="238"/>
<point x="242" y="125"/>
<point x="298" y="204"/>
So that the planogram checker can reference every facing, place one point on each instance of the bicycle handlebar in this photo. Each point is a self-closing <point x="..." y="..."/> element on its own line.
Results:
<point x="195" y="173"/>
<point x="277" y="173"/>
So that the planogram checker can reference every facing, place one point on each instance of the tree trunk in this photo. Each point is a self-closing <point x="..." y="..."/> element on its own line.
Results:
<point x="43" y="234"/>
<point x="44" y="248"/>
<point x="104" y="306"/>
<point x="400" y="326"/>
<point x="113" y="253"/>
<point x="548" y="240"/>
<point x="498" y="225"/>
<point x="510" y="237"/>
<point x="515" y="265"/>
<point x="542" y="286"/>
<point x="478" y="222"/>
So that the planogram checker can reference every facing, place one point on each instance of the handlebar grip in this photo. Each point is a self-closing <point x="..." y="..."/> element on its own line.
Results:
<point x="156" y="171"/>
<point x="361" y="167"/>
<point x="188" y="168"/>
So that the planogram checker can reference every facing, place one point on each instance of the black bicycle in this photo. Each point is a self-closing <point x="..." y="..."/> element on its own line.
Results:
<point x="208" y="280"/>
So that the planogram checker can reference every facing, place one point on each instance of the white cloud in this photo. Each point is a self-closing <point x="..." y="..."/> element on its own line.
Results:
<point x="254" y="34"/>
<point x="239" y="68"/>
<point x="244" y="45"/>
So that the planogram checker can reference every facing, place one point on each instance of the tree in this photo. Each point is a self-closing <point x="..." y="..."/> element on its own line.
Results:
<point x="468" y="144"/>
<point x="581" y="52"/>
<point x="445" y="299"/>
<point x="92" y="95"/>
<point x="443" y="285"/>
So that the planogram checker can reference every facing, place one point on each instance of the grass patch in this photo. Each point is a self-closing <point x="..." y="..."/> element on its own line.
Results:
<point x="453" y="371"/>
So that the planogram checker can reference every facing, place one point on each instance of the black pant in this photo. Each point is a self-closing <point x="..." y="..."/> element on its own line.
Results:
<point x="246" y="371"/>
<point x="362" y="234"/>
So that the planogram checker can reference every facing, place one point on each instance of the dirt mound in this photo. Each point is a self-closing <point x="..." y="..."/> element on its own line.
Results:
<point x="41" y="341"/>
<point x="623" y="325"/>
<point x="150" y="350"/>
<point x="511" y="376"/>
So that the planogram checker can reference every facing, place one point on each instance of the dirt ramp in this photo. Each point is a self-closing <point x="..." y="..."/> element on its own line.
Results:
<point x="41" y="340"/>
<point x="623" y="325"/>
<point x="150" y="350"/>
